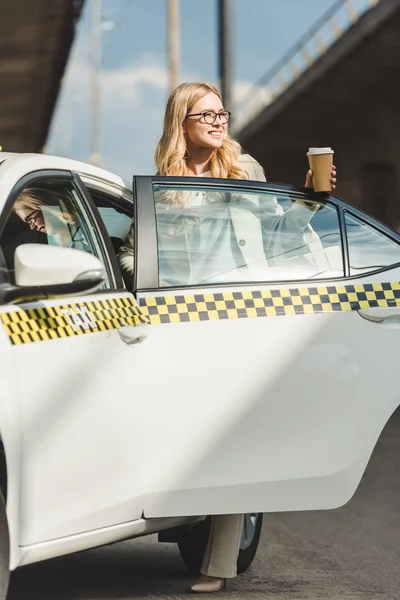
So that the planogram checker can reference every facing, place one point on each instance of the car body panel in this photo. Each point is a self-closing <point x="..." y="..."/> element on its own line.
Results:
<point x="276" y="410"/>
<point x="241" y="406"/>
<point x="16" y="166"/>
<point x="48" y="470"/>
<point x="99" y="537"/>
<point x="10" y="434"/>
<point x="73" y="404"/>
<point x="255" y="439"/>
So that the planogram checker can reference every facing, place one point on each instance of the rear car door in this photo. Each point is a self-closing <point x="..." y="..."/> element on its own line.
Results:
<point x="70" y="461"/>
<point x="272" y="345"/>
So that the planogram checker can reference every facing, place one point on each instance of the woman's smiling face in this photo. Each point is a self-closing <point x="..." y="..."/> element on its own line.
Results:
<point x="199" y="133"/>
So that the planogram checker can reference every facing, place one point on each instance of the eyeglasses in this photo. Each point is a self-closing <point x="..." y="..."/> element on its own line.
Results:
<point x="32" y="218"/>
<point x="210" y="116"/>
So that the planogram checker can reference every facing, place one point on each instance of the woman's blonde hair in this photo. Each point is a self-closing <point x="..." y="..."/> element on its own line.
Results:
<point x="171" y="152"/>
<point x="38" y="198"/>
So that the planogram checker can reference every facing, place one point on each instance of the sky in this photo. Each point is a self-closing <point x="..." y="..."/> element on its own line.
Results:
<point x="134" y="83"/>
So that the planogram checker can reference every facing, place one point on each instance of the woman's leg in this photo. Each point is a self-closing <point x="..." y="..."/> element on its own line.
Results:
<point x="220" y="558"/>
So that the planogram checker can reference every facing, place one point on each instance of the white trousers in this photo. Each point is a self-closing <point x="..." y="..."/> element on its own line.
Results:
<point x="223" y="544"/>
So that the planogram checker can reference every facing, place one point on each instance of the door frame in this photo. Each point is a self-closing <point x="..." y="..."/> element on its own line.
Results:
<point x="90" y="207"/>
<point x="146" y="271"/>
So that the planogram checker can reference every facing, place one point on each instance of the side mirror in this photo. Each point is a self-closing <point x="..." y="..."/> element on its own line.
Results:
<point x="43" y="271"/>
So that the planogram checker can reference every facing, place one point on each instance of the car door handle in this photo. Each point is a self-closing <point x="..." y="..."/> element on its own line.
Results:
<point x="384" y="315"/>
<point x="133" y="334"/>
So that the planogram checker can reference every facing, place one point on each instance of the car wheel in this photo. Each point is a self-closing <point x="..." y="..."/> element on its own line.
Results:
<point x="250" y="538"/>
<point x="193" y="541"/>
<point x="4" y="551"/>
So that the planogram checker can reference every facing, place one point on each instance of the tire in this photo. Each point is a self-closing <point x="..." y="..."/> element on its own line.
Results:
<point x="250" y="538"/>
<point x="4" y="551"/>
<point x="193" y="541"/>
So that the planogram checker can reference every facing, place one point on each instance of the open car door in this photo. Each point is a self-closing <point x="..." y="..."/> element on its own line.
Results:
<point x="270" y="367"/>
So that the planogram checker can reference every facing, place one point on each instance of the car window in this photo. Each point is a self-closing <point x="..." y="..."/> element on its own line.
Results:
<point x="212" y="236"/>
<point x="369" y="249"/>
<point x="117" y="219"/>
<point x="117" y="223"/>
<point x="52" y="211"/>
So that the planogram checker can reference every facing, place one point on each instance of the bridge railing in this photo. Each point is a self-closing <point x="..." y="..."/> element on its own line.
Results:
<point x="340" y="17"/>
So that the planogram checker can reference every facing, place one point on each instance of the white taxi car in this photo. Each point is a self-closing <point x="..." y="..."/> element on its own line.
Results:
<point x="183" y="347"/>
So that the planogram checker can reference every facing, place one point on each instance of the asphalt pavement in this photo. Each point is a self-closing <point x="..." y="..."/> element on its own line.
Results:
<point x="352" y="553"/>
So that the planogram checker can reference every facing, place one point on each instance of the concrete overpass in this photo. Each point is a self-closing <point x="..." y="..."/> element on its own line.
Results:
<point x="35" y="41"/>
<point x="349" y="99"/>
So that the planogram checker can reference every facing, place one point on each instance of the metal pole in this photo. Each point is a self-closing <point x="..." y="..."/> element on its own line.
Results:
<point x="173" y="42"/>
<point x="225" y="55"/>
<point x="95" y="95"/>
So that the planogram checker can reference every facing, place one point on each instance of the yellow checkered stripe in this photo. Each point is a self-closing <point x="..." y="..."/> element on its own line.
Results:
<point x="249" y="304"/>
<point x="69" y="320"/>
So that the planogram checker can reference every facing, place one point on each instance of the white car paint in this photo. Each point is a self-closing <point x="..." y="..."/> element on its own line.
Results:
<point x="16" y="166"/>
<point x="47" y="514"/>
<point x="228" y="416"/>
<point x="99" y="537"/>
<point x="38" y="264"/>
<point x="298" y="442"/>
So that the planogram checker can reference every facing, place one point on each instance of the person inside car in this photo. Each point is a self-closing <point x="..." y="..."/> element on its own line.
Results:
<point x="44" y="211"/>
<point x="125" y="258"/>
<point x="195" y="142"/>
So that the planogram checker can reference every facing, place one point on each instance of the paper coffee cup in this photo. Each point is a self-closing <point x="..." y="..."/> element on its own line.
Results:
<point x="321" y="161"/>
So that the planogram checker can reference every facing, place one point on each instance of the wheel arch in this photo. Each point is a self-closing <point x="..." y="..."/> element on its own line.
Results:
<point x="391" y="421"/>
<point x="363" y="461"/>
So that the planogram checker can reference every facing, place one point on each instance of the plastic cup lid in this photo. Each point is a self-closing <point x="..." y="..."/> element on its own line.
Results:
<point x="326" y="150"/>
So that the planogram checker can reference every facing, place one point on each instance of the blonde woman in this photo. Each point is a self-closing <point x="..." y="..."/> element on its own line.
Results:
<point x="195" y="139"/>
<point x="41" y="210"/>
<point x="195" y="142"/>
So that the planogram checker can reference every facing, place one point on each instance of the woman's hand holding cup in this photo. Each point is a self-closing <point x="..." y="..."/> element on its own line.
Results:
<point x="322" y="173"/>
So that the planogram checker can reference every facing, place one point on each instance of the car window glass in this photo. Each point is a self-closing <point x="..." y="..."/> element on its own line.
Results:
<point x="212" y="236"/>
<point x="52" y="212"/>
<point x="369" y="249"/>
<point x="118" y="223"/>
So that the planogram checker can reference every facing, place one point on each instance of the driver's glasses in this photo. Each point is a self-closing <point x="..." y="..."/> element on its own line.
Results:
<point x="32" y="218"/>
<point x="210" y="116"/>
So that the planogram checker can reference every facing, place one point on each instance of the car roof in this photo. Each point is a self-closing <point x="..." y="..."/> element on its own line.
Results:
<point x="41" y="161"/>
